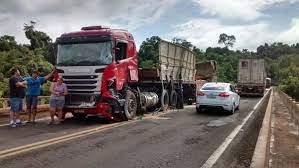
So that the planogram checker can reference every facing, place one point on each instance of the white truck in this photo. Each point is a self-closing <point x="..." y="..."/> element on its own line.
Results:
<point x="251" y="77"/>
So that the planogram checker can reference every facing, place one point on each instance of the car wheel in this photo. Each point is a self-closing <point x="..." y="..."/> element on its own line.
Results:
<point x="232" y="111"/>
<point x="238" y="107"/>
<point x="198" y="109"/>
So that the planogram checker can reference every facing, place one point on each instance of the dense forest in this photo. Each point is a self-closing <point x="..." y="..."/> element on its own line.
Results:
<point x="282" y="60"/>
<point x="26" y="57"/>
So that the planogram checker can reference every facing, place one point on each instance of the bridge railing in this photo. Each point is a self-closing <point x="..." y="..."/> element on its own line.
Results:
<point x="292" y="105"/>
<point x="4" y="103"/>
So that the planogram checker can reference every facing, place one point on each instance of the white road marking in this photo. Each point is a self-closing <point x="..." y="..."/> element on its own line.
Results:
<point x="219" y="151"/>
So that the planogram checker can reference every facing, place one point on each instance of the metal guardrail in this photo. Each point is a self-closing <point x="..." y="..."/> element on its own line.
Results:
<point x="4" y="102"/>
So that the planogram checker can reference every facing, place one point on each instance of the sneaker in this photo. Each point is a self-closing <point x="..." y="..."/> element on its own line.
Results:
<point x="13" y="125"/>
<point x="20" y="123"/>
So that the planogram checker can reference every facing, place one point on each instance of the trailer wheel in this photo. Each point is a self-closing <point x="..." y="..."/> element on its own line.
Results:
<point x="173" y="99"/>
<point x="130" y="106"/>
<point x="164" y="100"/>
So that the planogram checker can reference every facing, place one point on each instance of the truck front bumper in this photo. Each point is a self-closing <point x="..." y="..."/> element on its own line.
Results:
<point x="100" y="108"/>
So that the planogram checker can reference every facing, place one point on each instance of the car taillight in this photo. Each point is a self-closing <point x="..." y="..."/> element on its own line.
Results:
<point x="224" y="94"/>
<point x="200" y="94"/>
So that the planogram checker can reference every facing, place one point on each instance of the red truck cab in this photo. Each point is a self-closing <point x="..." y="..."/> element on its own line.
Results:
<point x="96" y="64"/>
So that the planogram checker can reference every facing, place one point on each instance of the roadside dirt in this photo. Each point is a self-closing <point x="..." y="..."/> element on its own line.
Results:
<point x="284" y="150"/>
<point x="43" y="111"/>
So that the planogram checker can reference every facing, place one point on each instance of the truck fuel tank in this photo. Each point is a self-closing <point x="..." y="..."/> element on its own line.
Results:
<point x="149" y="99"/>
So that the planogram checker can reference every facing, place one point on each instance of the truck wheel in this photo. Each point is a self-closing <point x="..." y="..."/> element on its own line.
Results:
<point x="164" y="100"/>
<point x="130" y="107"/>
<point x="173" y="99"/>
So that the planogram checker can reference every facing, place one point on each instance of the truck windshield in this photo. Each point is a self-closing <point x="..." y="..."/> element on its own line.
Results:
<point x="84" y="54"/>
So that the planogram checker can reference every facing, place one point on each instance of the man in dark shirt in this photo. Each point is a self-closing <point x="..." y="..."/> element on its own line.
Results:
<point x="17" y="93"/>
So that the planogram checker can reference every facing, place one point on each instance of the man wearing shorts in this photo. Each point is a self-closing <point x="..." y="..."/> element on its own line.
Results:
<point x="33" y="91"/>
<point x="17" y="94"/>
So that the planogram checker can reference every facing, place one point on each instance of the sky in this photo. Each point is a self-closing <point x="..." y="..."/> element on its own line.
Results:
<point x="252" y="22"/>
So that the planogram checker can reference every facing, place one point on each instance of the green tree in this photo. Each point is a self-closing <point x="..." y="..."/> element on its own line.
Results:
<point x="7" y="43"/>
<point x="37" y="39"/>
<point x="182" y="42"/>
<point x="149" y="52"/>
<point x="227" y="40"/>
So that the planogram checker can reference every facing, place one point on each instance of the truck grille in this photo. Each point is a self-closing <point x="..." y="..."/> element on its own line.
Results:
<point x="78" y="99"/>
<point x="83" y="84"/>
<point x="81" y="77"/>
<point x="81" y="87"/>
<point x="80" y="82"/>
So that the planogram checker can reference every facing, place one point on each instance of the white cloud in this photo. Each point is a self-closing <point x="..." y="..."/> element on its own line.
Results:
<point x="291" y="35"/>
<point x="56" y="16"/>
<point x="245" y="10"/>
<point x="205" y="33"/>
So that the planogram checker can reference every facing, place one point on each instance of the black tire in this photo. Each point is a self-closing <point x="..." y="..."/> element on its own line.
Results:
<point x="232" y="111"/>
<point x="173" y="99"/>
<point x="238" y="107"/>
<point x="198" y="109"/>
<point x="164" y="100"/>
<point x="130" y="107"/>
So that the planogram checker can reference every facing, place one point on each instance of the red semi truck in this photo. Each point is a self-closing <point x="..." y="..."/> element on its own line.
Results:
<point x="100" y="68"/>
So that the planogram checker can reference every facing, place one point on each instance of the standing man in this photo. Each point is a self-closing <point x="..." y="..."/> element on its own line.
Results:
<point x="33" y="91"/>
<point x="17" y="93"/>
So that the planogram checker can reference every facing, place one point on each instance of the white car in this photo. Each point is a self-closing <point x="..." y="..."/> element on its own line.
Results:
<point x="217" y="95"/>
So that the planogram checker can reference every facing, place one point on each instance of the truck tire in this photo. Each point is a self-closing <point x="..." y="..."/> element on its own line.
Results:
<point x="130" y="106"/>
<point x="164" y="100"/>
<point x="173" y="99"/>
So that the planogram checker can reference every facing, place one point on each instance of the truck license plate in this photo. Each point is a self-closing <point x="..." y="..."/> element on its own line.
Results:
<point x="211" y="96"/>
<point x="79" y="111"/>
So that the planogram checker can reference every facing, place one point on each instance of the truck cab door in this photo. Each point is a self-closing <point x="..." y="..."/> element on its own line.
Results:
<point x="121" y="64"/>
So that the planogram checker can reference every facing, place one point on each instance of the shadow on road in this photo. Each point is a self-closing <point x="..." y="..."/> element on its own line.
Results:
<point x="213" y="112"/>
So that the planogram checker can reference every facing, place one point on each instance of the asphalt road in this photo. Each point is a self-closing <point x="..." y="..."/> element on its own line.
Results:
<point x="181" y="139"/>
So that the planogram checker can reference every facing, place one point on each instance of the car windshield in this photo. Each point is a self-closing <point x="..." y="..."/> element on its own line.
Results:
<point x="213" y="87"/>
<point x="84" y="54"/>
